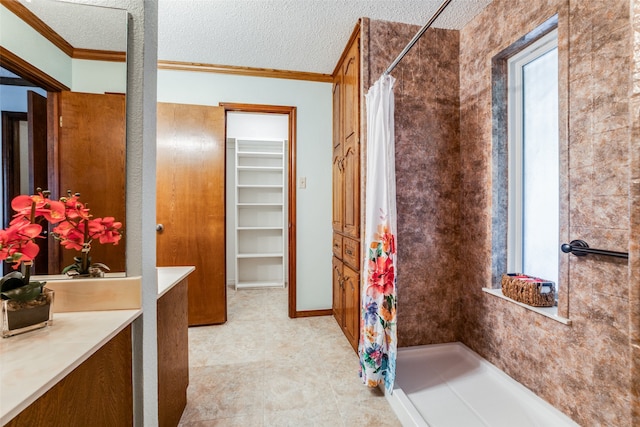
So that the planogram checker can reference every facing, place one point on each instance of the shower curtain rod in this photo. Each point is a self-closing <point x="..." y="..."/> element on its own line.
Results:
<point x="417" y="36"/>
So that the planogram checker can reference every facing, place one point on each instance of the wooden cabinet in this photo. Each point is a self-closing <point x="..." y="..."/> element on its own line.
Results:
<point x="346" y="300"/>
<point x="338" y="292"/>
<point x="351" y="289"/>
<point x="173" y="354"/>
<point x="351" y="139"/>
<point x="346" y="190"/>
<point x="338" y="167"/>
<point x="346" y="142"/>
<point x="99" y="392"/>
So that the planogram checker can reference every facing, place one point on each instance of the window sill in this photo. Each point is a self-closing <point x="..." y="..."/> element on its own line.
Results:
<point x="550" y="312"/>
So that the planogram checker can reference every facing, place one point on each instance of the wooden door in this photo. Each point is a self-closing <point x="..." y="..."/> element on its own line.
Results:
<point x="351" y="285"/>
<point x="37" y="124"/>
<point x="38" y="164"/>
<point x="90" y="151"/>
<point x="190" y="203"/>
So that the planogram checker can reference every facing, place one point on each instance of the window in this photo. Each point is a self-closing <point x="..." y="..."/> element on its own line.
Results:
<point x="533" y="164"/>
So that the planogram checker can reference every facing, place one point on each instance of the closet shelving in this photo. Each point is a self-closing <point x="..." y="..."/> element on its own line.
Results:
<point x="260" y="213"/>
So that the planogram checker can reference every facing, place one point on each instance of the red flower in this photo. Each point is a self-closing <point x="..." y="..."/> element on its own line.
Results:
<point x="381" y="276"/>
<point x="79" y="230"/>
<point x="74" y="209"/>
<point x="16" y="241"/>
<point x="105" y="230"/>
<point x="70" y="235"/>
<point x="38" y="205"/>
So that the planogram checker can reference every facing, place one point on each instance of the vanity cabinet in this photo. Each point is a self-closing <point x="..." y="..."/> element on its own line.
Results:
<point x="347" y="190"/>
<point x="99" y="392"/>
<point x="173" y="354"/>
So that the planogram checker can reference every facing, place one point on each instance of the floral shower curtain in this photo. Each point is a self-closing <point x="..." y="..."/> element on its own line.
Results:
<point x="377" y="347"/>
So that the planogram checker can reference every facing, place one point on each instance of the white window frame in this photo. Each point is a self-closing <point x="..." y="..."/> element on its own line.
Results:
<point x="515" y="143"/>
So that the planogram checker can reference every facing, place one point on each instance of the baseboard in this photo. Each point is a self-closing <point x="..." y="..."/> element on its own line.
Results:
<point x="313" y="313"/>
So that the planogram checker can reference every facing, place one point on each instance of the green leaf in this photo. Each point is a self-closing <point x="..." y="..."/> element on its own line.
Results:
<point x="27" y="292"/>
<point x="11" y="281"/>
<point x="70" y="267"/>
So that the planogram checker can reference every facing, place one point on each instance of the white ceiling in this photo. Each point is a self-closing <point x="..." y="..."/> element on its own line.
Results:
<point x="83" y="26"/>
<point x="295" y="35"/>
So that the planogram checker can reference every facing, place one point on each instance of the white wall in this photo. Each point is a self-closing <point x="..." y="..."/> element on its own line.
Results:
<point x="27" y="43"/>
<point x="313" y="101"/>
<point x="78" y="75"/>
<point x="98" y="76"/>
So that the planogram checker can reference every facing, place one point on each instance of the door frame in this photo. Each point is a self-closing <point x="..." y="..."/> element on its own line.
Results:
<point x="291" y="185"/>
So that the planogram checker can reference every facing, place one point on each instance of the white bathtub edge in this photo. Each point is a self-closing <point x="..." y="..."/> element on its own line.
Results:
<point x="403" y="408"/>
<point x="409" y="416"/>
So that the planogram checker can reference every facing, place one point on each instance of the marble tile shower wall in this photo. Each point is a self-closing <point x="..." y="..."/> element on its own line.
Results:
<point x="634" y="201"/>
<point x="427" y="172"/>
<point x="586" y="369"/>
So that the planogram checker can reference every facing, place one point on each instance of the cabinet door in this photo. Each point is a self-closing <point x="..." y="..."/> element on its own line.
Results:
<point x="338" y="293"/>
<point x="338" y="193"/>
<point x="173" y="354"/>
<point x="351" y="91"/>
<point x="351" y="141"/>
<point x="351" y="173"/>
<point x="97" y="393"/>
<point x="338" y="173"/>
<point x="351" y="287"/>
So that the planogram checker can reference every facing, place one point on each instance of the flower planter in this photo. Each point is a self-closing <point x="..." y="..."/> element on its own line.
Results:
<point x="18" y="317"/>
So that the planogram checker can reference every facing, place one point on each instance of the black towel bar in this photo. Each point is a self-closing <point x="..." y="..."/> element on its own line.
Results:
<point x="581" y="248"/>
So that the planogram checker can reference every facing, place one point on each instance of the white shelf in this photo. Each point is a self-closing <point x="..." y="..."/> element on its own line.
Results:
<point x="260" y="255"/>
<point x="262" y="154"/>
<point x="260" y="213"/>
<point x="266" y="284"/>
<point x="260" y="168"/>
<point x="259" y="228"/>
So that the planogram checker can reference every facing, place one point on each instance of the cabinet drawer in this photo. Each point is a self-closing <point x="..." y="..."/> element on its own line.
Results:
<point x="337" y="245"/>
<point x="351" y="253"/>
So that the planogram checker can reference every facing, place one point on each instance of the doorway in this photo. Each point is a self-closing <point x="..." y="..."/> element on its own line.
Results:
<point x="273" y="213"/>
<point x="23" y="162"/>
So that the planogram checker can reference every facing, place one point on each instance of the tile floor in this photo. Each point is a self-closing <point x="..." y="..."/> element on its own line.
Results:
<point x="263" y="369"/>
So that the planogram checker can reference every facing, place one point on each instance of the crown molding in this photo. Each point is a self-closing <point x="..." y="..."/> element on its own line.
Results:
<point x="56" y="39"/>
<point x="244" y="71"/>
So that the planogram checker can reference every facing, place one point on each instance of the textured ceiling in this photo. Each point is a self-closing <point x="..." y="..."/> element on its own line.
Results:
<point x="295" y="35"/>
<point x="85" y="26"/>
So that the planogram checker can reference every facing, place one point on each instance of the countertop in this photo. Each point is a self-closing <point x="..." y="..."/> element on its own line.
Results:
<point x="32" y="363"/>
<point x="170" y="276"/>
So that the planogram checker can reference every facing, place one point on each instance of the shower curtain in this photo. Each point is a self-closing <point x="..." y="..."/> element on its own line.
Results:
<point x="377" y="348"/>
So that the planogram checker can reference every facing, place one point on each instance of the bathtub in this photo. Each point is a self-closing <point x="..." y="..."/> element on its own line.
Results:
<point x="449" y="385"/>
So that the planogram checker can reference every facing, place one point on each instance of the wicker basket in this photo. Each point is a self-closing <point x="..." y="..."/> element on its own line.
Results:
<point x="529" y="290"/>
